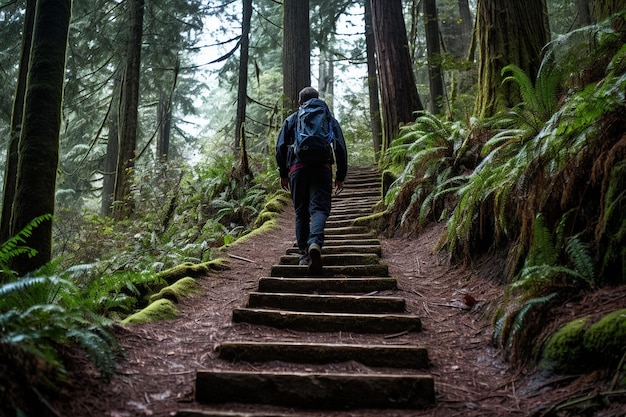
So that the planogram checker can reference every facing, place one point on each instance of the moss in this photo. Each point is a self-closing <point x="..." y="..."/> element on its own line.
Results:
<point x="266" y="227"/>
<point x="189" y="269"/>
<point x="564" y="351"/>
<point x="373" y="221"/>
<point x="388" y="178"/>
<point x="159" y="310"/>
<point x="181" y="288"/>
<point x="606" y="339"/>
<point x="277" y="202"/>
<point x="264" y="217"/>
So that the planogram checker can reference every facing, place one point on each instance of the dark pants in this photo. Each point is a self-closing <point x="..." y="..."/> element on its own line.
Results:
<point x="311" y="189"/>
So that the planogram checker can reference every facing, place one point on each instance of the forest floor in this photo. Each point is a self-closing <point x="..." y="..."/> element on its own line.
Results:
<point x="156" y="376"/>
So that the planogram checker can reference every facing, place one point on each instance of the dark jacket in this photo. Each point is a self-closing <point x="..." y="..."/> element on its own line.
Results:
<point x="285" y="156"/>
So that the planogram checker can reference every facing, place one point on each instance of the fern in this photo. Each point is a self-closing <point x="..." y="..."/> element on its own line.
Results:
<point x="38" y="327"/>
<point x="520" y="325"/>
<point x="14" y="247"/>
<point x="583" y="262"/>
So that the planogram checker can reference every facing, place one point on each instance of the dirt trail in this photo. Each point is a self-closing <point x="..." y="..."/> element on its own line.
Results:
<point x="157" y="376"/>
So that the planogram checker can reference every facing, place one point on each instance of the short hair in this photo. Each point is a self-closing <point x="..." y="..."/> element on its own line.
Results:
<point x="307" y="93"/>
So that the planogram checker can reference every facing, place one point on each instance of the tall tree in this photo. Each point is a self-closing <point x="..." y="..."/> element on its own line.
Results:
<point x="242" y="90"/>
<point x="296" y="52"/>
<point x="498" y="23"/>
<point x="10" y="169"/>
<point x="399" y="97"/>
<point x="110" y="158"/>
<point x="601" y="9"/>
<point x="39" y="140"/>
<point x="584" y="14"/>
<point x="433" y="45"/>
<point x="467" y="24"/>
<point x="372" y="81"/>
<point x="129" y="112"/>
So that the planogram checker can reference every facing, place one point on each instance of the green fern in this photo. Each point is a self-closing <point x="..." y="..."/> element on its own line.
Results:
<point x="14" y="247"/>
<point x="520" y="327"/>
<point x="38" y="327"/>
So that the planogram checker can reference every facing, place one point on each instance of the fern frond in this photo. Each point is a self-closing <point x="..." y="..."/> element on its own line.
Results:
<point x="519" y="325"/>
<point x="583" y="262"/>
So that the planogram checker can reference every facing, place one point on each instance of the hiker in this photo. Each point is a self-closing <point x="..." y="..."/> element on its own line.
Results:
<point x="309" y="142"/>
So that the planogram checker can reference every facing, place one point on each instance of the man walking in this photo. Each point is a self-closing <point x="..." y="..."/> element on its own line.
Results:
<point x="308" y="174"/>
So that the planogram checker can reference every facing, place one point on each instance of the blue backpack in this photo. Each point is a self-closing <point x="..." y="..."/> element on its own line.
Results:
<point x="314" y="133"/>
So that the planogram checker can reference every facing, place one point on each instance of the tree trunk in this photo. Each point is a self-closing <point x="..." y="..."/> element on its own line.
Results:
<point x="164" y="120"/>
<point x="242" y="91"/>
<point x="10" y="169"/>
<point x="398" y="92"/>
<point x="467" y="24"/>
<point x="602" y="9"/>
<point x="296" y="52"/>
<point x="508" y="32"/>
<point x="129" y="113"/>
<point x="372" y="82"/>
<point x="433" y="45"/>
<point x="39" y="140"/>
<point x="584" y="14"/>
<point x="110" y="160"/>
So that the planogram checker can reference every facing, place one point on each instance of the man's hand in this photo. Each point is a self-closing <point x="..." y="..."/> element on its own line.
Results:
<point x="338" y="187"/>
<point x="284" y="184"/>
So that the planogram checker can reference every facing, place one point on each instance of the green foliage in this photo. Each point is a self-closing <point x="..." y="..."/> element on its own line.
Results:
<point x="15" y="246"/>
<point x="550" y="271"/>
<point x="434" y="155"/>
<point x="40" y="313"/>
<point x="531" y="167"/>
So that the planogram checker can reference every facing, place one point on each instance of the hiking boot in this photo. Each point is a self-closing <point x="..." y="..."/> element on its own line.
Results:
<point x="315" y="254"/>
<point x="304" y="260"/>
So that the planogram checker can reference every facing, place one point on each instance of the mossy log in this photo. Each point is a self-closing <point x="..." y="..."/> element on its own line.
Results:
<point x="159" y="310"/>
<point x="189" y="269"/>
<point x="181" y="288"/>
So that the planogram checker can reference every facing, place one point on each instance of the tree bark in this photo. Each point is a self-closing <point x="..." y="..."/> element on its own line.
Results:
<point x="467" y="24"/>
<point x="508" y="32"/>
<point x="39" y="140"/>
<point x="129" y="113"/>
<point x="164" y="120"/>
<point x="242" y="90"/>
<point x="602" y="9"/>
<point x="399" y="97"/>
<point x="372" y="82"/>
<point x="433" y="45"/>
<point x="10" y="169"/>
<point x="296" y="52"/>
<point x="584" y="14"/>
<point x="110" y="160"/>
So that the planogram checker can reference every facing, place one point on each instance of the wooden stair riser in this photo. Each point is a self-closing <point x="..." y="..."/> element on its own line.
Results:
<point x="316" y="391"/>
<point x="336" y="260"/>
<point x="343" y="249"/>
<point x="327" y="303"/>
<point x="327" y="285"/>
<point x="377" y="270"/>
<point x="329" y="322"/>
<point x="411" y="357"/>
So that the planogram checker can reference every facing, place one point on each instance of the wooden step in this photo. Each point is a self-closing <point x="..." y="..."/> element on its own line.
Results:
<point x="327" y="285"/>
<point x="342" y="249"/>
<point x="377" y="270"/>
<point x="348" y="230"/>
<point x="339" y="222"/>
<point x="392" y="356"/>
<point x="329" y="322"/>
<point x="316" y="390"/>
<point x="327" y="303"/>
<point x="336" y="259"/>
<point x="365" y="240"/>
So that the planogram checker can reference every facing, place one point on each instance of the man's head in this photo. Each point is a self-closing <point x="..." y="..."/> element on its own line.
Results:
<point x="306" y="94"/>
